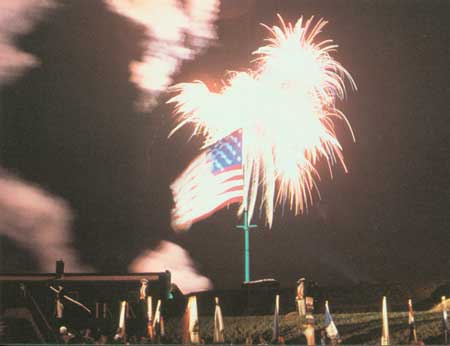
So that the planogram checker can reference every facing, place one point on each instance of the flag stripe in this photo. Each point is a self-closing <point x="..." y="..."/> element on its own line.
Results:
<point x="203" y="214"/>
<point x="229" y="186"/>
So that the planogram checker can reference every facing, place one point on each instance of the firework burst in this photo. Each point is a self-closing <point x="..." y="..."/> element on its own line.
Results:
<point x="285" y="107"/>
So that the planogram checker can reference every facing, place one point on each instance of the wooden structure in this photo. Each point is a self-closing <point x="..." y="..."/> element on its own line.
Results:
<point x="76" y="300"/>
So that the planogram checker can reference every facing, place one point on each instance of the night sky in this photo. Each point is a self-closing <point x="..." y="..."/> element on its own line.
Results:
<point x="71" y="126"/>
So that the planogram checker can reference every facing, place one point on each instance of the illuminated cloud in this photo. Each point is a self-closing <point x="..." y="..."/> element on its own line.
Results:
<point x="178" y="32"/>
<point x="169" y="256"/>
<point x="17" y="17"/>
<point x="38" y="222"/>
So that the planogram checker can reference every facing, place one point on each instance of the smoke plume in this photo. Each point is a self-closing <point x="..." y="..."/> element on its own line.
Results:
<point x="37" y="221"/>
<point x="178" y="32"/>
<point x="17" y="17"/>
<point x="169" y="256"/>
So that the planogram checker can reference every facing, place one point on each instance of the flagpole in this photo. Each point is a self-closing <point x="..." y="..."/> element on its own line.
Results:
<point x="245" y="224"/>
<point x="246" y="227"/>
<point x="246" y="247"/>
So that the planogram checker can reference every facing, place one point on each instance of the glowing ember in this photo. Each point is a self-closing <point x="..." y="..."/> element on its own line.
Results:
<point x="285" y="107"/>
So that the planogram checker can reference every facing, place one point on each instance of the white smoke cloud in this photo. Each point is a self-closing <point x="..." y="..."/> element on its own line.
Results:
<point x="37" y="221"/>
<point x="17" y="17"/>
<point x="177" y="33"/>
<point x="169" y="256"/>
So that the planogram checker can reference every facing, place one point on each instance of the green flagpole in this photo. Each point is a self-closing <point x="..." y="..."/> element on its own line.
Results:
<point x="246" y="228"/>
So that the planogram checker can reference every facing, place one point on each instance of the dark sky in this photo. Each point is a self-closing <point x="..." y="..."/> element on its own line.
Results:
<point x="71" y="126"/>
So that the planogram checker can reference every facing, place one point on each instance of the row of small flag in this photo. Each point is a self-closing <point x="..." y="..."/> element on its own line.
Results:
<point x="411" y="322"/>
<point x="191" y="323"/>
<point x="191" y="326"/>
<point x="155" y="320"/>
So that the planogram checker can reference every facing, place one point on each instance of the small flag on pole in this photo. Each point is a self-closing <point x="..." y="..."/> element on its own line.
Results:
<point x="411" y="322"/>
<point x="444" y="319"/>
<point x="330" y="327"/>
<point x="218" y="324"/>
<point x="150" y="331"/>
<point x="158" y="322"/>
<point x="276" y="330"/>
<point x="121" y="332"/>
<point x="385" y="327"/>
<point x="191" y="332"/>
<point x="212" y="181"/>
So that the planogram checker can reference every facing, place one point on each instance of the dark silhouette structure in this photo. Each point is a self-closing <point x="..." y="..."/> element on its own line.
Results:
<point x="42" y="303"/>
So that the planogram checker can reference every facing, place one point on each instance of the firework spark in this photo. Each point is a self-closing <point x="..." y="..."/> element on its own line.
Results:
<point x="285" y="106"/>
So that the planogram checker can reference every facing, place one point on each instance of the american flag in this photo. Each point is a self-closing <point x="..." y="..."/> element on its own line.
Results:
<point x="212" y="181"/>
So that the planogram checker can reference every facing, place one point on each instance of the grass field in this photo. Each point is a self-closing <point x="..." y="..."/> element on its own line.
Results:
<point x="355" y="328"/>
